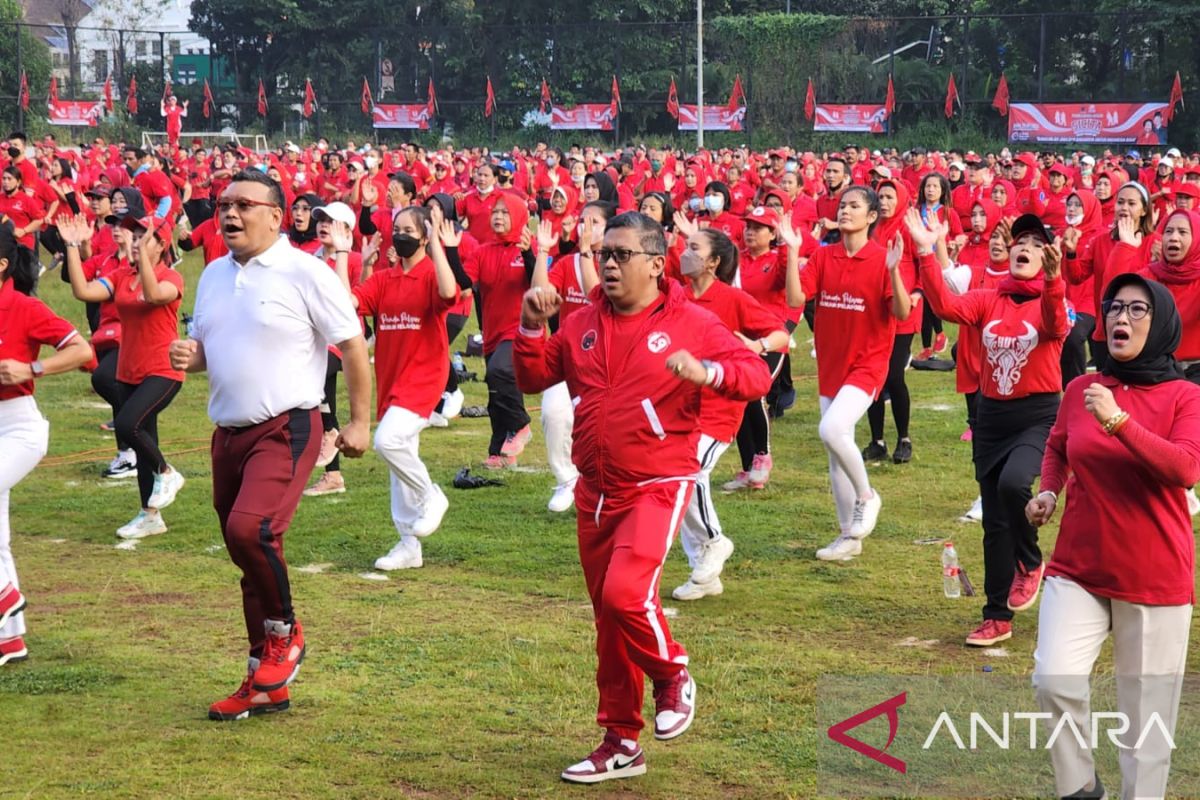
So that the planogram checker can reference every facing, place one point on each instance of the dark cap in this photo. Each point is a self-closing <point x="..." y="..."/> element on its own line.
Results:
<point x="1030" y="223"/>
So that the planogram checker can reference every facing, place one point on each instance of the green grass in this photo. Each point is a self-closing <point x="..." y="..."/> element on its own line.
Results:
<point x="471" y="677"/>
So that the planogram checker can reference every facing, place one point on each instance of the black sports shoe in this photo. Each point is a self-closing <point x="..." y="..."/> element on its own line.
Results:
<point x="875" y="451"/>
<point x="903" y="452"/>
<point x="1095" y="793"/>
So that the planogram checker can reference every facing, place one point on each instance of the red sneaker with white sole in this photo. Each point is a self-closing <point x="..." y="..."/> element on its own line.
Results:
<point x="989" y="633"/>
<point x="11" y="602"/>
<point x="13" y="650"/>
<point x="281" y="658"/>
<point x="674" y="705"/>
<point x="939" y="343"/>
<point x="1025" y="586"/>
<point x="614" y="758"/>
<point x="247" y="702"/>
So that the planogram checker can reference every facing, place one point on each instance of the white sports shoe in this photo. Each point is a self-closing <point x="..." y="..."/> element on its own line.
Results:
<point x="739" y="482"/>
<point x="405" y="555"/>
<point x="436" y="420"/>
<point x="435" y="508"/>
<point x="123" y="466"/>
<point x="843" y="548"/>
<point x="866" y="514"/>
<point x="974" y="513"/>
<point x="166" y="486"/>
<point x="711" y="560"/>
<point x="695" y="591"/>
<point x="563" y="498"/>
<point x="143" y="525"/>
<point x="452" y="404"/>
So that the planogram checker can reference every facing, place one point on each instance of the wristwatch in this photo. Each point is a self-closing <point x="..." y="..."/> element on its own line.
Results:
<point x="37" y="369"/>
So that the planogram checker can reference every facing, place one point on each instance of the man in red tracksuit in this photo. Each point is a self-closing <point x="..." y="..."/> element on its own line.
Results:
<point x="635" y="362"/>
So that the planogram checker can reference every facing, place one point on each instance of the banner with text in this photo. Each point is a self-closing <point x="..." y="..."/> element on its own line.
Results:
<point x="861" y="118"/>
<point x="716" y="118"/>
<point x="583" y="117"/>
<point x="1104" y="123"/>
<point x="76" y="112"/>
<point x="415" y="116"/>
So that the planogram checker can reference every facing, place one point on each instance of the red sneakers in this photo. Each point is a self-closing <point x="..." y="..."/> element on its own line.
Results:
<point x="614" y="758"/>
<point x="924" y="355"/>
<point x="11" y="602"/>
<point x="246" y="703"/>
<point x="939" y="343"/>
<point x="12" y="650"/>
<point x="674" y="705"/>
<point x="281" y="658"/>
<point x="1025" y="587"/>
<point x="990" y="632"/>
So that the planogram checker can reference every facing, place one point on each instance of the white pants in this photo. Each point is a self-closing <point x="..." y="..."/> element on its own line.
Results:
<point x="700" y="523"/>
<point x="847" y="472"/>
<point x="24" y="435"/>
<point x="396" y="440"/>
<point x="558" y="421"/>
<point x="1149" y="655"/>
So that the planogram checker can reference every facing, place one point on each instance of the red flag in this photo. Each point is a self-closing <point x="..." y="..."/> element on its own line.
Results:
<point x="1000" y="101"/>
<point x="737" y="98"/>
<point x="489" y="104"/>
<point x="262" y="99"/>
<point x="810" y="101"/>
<point x="131" y="98"/>
<point x="1176" y="97"/>
<point x="431" y="99"/>
<point x="310" y="98"/>
<point x="208" y="100"/>
<point x="546" y="102"/>
<point x="951" y="97"/>
<point x="108" y="98"/>
<point x="614" y="105"/>
<point x="673" y="99"/>
<point x="52" y="98"/>
<point x="367" y="100"/>
<point x="23" y="95"/>
<point x="166" y="89"/>
<point x="889" y="103"/>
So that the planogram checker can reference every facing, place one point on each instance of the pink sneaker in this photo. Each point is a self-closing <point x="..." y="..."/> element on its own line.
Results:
<point x="989" y="632"/>
<point x="329" y="448"/>
<point x="739" y="482"/>
<point x="1025" y="587"/>
<point x="760" y="471"/>
<point x="967" y="435"/>
<point x="496" y="462"/>
<point x="514" y="445"/>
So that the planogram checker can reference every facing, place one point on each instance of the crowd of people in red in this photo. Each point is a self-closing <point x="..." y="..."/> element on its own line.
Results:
<point x="655" y="269"/>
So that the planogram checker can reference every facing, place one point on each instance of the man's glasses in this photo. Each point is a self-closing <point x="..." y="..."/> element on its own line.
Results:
<point x="1137" y="309"/>
<point x="242" y="205"/>
<point x="621" y="255"/>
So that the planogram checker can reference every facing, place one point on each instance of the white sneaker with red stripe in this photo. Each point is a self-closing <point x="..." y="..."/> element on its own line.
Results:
<point x="614" y="758"/>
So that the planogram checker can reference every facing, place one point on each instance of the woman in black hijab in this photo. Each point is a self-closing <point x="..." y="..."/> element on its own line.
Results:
<point x="303" y="231"/>
<point x="1126" y="446"/>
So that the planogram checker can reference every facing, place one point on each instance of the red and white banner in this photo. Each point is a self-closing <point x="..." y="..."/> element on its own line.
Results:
<point x="1105" y="123"/>
<point x="415" y="115"/>
<point x="76" y="112"/>
<point x="861" y="118"/>
<point x="583" y="117"/>
<point x="716" y="118"/>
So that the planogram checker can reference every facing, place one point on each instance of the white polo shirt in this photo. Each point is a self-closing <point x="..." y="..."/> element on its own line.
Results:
<point x="265" y="328"/>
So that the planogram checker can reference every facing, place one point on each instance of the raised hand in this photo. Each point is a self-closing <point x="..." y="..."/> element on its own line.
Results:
<point x="1070" y="239"/>
<point x="538" y="305"/>
<point x="547" y="237"/>
<point x="449" y="233"/>
<point x="684" y="226"/>
<point x="341" y="235"/>
<point x="1052" y="260"/>
<point x="895" y="253"/>
<point x="923" y="238"/>
<point x="370" y="193"/>
<point x="74" y="228"/>
<point x="526" y="239"/>
<point x="1128" y="233"/>
<point x="787" y="234"/>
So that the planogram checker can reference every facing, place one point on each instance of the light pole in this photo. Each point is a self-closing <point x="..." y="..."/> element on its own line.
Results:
<point x="699" y="73"/>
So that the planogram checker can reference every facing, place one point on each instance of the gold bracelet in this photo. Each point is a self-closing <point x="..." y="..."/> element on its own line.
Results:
<point x="1114" y="423"/>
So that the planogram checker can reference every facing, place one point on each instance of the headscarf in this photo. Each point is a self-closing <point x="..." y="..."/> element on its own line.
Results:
<point x="993" y="219"/>
<point x="301" y="237"/>
<point x="886" y="229"/>
<point x="1009" y="209"/>
<point x="605" y="186"/>
<point x="518" y="213"/>
<point x="1156" y="363"/>
<point x="1188" y="270"/>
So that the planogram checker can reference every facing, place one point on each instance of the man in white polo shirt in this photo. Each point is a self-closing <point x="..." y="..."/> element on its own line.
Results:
<point x="264" y="315"/>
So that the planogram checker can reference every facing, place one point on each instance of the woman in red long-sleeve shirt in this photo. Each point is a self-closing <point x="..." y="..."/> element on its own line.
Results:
<point x="1123" y="563"/>
<point x="1023" y="323"/>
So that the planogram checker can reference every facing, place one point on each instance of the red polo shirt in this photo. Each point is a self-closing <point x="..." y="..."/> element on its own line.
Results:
<point x="147" y="330"/>
<point x="26" y="324"/>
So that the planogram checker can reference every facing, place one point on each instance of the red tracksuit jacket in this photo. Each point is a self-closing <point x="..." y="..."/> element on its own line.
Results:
<point x="635" y="422"/>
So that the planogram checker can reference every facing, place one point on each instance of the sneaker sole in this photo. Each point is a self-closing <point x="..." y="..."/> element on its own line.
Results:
<point x="118" y="476"/>
<point x="256" y="711"/>
<point x="323" y="492"/>
<point x="12" y="658"/>
<point x="12" y="612"/>
<point x="144" y="535"/>
<point x="258" y="687"/>
<point x="688" y="597"/>
<point x="989" y="642"/>
<point x="614" y="774"/>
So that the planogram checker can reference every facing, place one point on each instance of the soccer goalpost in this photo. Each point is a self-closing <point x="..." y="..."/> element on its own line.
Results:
<point x="152" y="138"/>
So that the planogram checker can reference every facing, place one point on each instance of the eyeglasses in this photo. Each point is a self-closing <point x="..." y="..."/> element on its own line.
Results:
<point x="620" y="254"/>
<point x="242" y="205"/>
<point x="1137" y="309"/>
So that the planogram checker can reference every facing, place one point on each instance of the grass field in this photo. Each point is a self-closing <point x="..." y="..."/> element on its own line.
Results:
<point x="471" y="677"/>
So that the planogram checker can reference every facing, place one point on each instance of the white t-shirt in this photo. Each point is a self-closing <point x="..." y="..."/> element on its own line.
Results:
<point x="265" y="328"/>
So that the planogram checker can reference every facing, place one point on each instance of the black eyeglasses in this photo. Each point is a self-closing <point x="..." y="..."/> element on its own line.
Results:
<point x="1137" y="309"/>
<point x="621" y="255"/>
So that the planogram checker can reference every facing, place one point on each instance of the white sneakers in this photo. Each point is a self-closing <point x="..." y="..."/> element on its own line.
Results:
<point x="710" y="560"/>
<point x="435" y="508"/>
<point x="144" y="524"/>
<point x="739" y="482"/>
<point x="452" y="403"/>
<point x="696" y="591"/>
<point x="405" y="555"/>
<point x="436" y="420"/>
<point x="123" y="466"/>
<point x="563" y="498"/>
<point x="866" y="514"/>
<point x="975" y="512"/>
<point x="843" y="548"/>
<point x="166" y="486"/>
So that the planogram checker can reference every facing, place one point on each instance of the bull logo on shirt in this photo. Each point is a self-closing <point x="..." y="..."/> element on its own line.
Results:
<point x="658" y="341"/>
<point x="1008" y="354"/>
<point x="588" y="341"/>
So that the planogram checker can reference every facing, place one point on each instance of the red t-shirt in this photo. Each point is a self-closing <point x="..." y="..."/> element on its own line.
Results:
<point x="854" y="322"/>
<point x="154" y="186"/>
<point x="174" y="122"/>
<point x="26" y="324"/>
<point x="498" y="272"/>
<point x="22" y="209"/>
<point x="206" y="236"/>
<point x="200" y="176"/>
<point x="765" y="279"/>
<point x="476" y="211"/>
<point x="411" y="349"/>
<point x="108" y="334"/>
<point x="566" y="276"/>
<point x="147" y="330"/>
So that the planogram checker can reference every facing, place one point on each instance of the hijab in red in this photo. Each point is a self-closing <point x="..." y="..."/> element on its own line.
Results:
<point x="1187" y="270"/>
<point x="518" y="212"/>
<point x="886" y="229"/>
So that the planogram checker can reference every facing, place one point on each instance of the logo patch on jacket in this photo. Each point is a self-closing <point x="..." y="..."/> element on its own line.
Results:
<point x="588" y="341"/>
<point x="658" y="341"/>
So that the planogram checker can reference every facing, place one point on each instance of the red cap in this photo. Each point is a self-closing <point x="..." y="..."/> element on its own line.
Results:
<point x="1061" y="169"/>
<point x="159" y="226"/>
<point x="1028" y="159"/>
<point x="1188" y="190"/>
<point x="780" y="152"/>
<point x="767" y="217"/>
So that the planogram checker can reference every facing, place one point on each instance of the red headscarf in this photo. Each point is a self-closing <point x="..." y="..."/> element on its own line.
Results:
<point x="1009" y="209"/>
<point x="994" y="215"/>
<point x="1188" y="270"/>
<point x="518" y="212"/>
<point x="1093" y="218"/>
<point x="886" y="229"/>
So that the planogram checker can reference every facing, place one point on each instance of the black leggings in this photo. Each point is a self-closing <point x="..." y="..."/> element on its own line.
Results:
<point x="506" y="404"/>
<point x="930" y="324"/>
<point x="104" y="383"/>
<point x="1008" y="538"/>
<point x="754" y="436"/>
<point x="137" y="424"/>
<point x="896" y="389"/>
<point x="329" y="420"/>
<point x="1074" y="353"/>
<point x="454" y="325"/>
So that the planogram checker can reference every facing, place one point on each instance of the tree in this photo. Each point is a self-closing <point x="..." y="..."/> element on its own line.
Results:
<point x="71" y="12"/>
<point x="34" y="60"/>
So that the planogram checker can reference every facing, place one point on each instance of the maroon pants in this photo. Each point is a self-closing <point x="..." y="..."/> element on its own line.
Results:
<point x="259" y="473"/>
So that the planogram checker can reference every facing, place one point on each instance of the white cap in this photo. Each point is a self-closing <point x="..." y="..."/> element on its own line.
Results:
<point x="1091" y="162"/>
<point x="882" y="171"/>
<point x="1166" y="161"/>
<point x="339" y="212"/>
<point x="1174" y="152"/>
<point x="958" y="165"/>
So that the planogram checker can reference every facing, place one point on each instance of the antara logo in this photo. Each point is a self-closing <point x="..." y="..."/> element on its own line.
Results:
<point x="890" y="707"/>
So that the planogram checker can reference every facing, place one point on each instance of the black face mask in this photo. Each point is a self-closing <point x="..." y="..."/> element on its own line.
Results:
<point x="405" y="245"/>
<point x="503" y="179"/>
<point x="13" y="152"/>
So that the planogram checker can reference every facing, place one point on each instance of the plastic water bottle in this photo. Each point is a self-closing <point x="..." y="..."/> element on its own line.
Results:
<point x="456" y="361"/>
<point x="188" y="325"/>
<point x="951" y="584"/>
